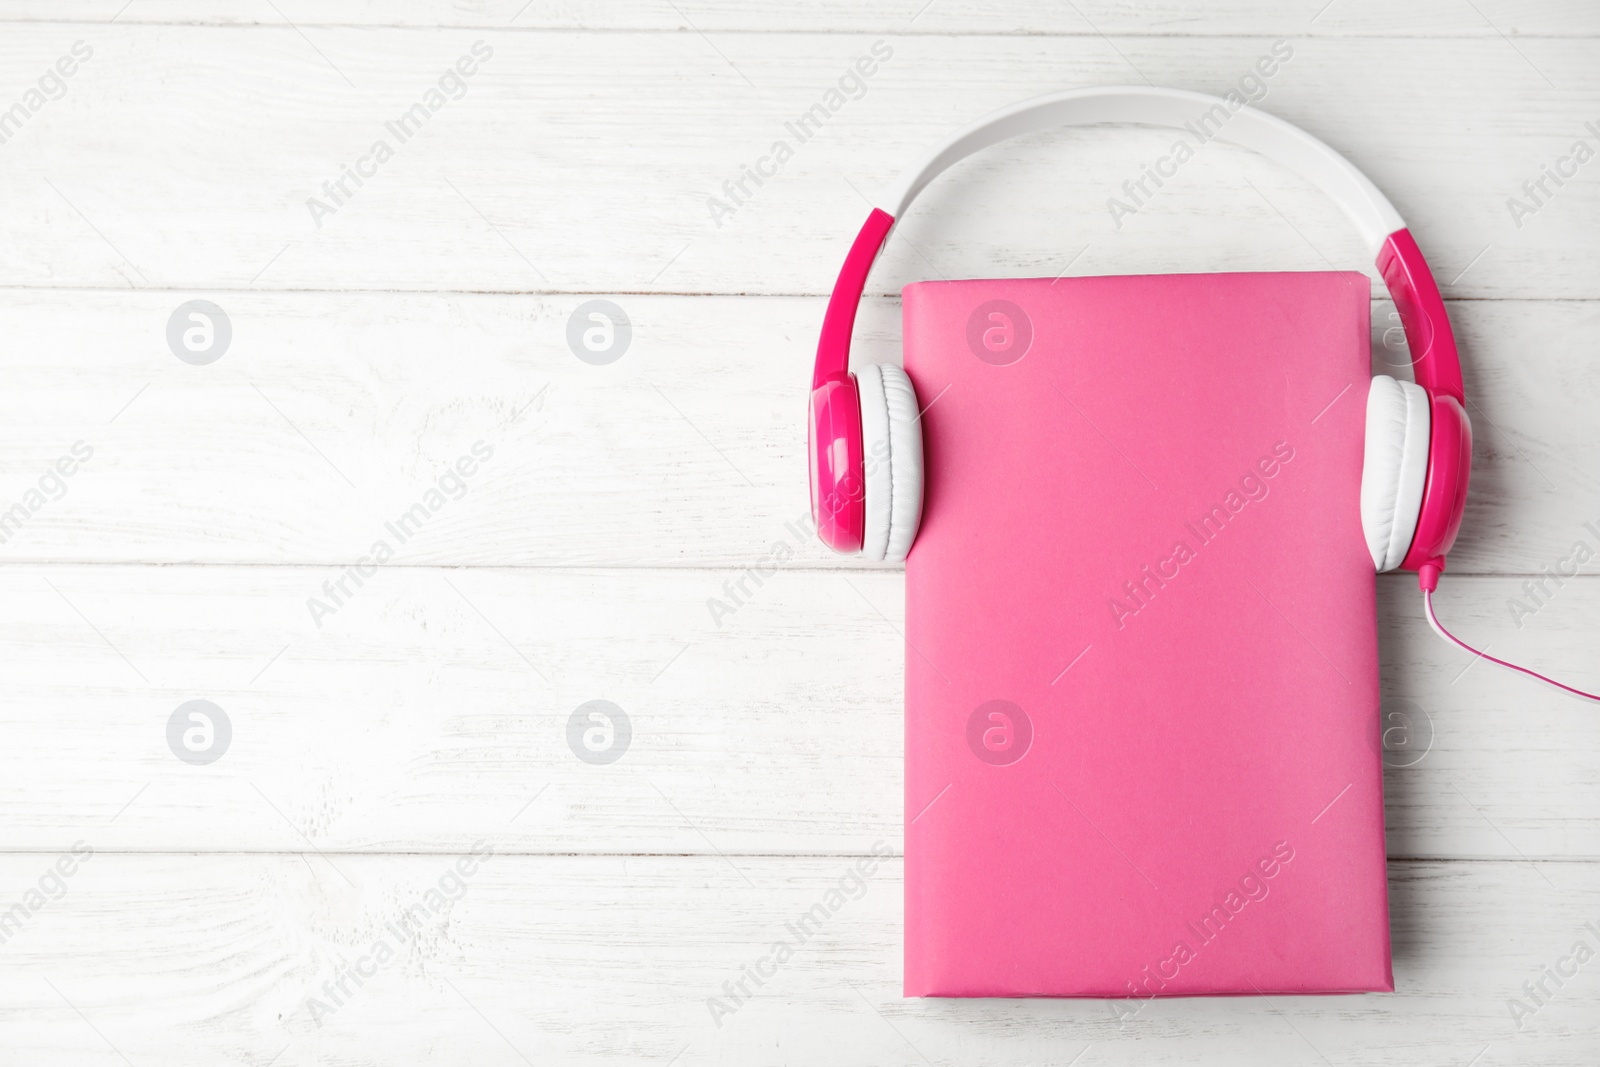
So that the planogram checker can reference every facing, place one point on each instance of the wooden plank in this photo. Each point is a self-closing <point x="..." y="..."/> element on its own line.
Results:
<point x="1432" y="18"/>
<point x="330" y="415"/>
<point x="434" y="706"/>
<point x="204" y="959"/>
<point x="589" y="162"/>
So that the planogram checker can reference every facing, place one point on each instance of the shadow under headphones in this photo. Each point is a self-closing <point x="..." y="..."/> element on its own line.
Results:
<point x="866" y="431"/>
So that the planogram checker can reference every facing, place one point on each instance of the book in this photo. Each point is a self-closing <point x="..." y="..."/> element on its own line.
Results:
<point x="1142" y="709"/>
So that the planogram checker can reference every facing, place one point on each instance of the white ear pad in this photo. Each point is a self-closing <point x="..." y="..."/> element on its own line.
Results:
<point x="1394" y="468"/>
<point x="891" y="440"/>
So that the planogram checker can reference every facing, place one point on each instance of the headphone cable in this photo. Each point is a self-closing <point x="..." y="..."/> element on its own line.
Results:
<point x="1438" y="628"/>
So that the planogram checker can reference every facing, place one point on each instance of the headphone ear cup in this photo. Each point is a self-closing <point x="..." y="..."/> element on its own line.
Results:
<point x="1394" y="468"/>
<point x="891" y="440"/>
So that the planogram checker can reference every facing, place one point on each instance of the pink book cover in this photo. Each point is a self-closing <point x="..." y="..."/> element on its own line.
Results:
<point x="1142" y="738"/>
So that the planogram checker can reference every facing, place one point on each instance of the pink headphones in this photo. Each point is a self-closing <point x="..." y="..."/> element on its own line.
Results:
<point x="866" y="432"/>
<point x="866" y="439"/>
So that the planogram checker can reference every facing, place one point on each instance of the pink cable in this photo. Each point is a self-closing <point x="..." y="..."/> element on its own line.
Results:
<point x="1433" y="620"/>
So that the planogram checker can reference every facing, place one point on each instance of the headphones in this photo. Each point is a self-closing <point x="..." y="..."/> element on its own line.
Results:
<point x="866" y="429"/>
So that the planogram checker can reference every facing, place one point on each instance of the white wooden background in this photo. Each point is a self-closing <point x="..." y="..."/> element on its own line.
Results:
<point x="429" y="714"/>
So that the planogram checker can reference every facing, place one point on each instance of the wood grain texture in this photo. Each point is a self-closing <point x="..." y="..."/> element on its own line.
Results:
<point x="1165" y="18"/>
<point x="434" y="705"/>
<point x="184" y="960"/>
<point x="332" y="414"/>
<point x="587" y="162"/>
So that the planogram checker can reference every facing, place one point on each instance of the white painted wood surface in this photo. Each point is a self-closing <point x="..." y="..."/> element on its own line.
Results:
<point x="332" y="412"/>
<point x="612" y="959"/>
<point x="428" y="713"/>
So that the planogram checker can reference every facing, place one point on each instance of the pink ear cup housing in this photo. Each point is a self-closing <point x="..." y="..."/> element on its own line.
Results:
<point x="1437" y="367"/>
<point x="1444" y="497"/>
<point x="838" y="488"/>
<point x="838" y="482"/>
